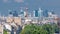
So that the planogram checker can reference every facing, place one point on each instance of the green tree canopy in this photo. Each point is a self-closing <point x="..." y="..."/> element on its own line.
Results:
<point x="38" y="29"/>
<point x="5" y="32"/>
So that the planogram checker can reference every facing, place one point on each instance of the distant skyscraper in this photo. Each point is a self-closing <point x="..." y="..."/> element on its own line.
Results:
<point x="10" y="14"/>
<point x="29" y="14"/>
<point x="40" y="12"/>
<point x="26" y="12"/>
<point x="35" y="13"/>
<point x="15" y="14"/>
<point x="32" y="13"/>
<point x="45" y="13"/>
<point x="22" y="13"/>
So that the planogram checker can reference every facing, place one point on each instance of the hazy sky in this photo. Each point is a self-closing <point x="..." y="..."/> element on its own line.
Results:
<point x="7" y="5"/>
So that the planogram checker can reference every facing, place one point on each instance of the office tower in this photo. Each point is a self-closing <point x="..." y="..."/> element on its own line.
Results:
<point x="10" y="14"/>
<point x="22" y="13"/>
<point x="40" y="13"/>
<point x="35" y="12"/>
<point x="29" y="15"/>
<point x="32" y="13"/>
<point x="52" y="12"/>
<point x="15" y="14"/>
<point x="26" y="12"/>
<point x="45" y="13"/>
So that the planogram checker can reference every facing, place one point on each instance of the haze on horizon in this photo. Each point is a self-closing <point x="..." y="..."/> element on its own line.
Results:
<point x="6" y="5"/>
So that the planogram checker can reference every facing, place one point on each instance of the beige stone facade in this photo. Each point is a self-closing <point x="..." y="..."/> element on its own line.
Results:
<point x="1" y="29"/>
<point x="16" y="20"/>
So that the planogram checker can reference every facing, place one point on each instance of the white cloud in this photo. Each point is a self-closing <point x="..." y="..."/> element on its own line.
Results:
<point x="19" y="1"/>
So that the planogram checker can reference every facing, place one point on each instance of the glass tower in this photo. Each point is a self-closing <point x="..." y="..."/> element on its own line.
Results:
<point x="40" y="12"/>
<point x="22" y="13"/>
<point x="45" y="13"/>
<point x="36" y="13"/>
<point x="15" y="14"/>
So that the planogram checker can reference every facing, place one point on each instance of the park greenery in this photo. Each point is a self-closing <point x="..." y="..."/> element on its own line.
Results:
<point x="5" y="32"/>
<point x="40" y="29"/>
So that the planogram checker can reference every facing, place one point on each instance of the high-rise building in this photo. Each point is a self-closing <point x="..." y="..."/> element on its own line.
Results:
<point x="10" y="14"/>
<point x="26" y="12"/>
<point x="29" y="14"/>
<point x="45" y="13"/>
<point x="15" y="14"/>
<point x="32" y="13"/>
<point x="35" y="13"/>
<point x="40" y="13"/>
<point x="22" y="13"/>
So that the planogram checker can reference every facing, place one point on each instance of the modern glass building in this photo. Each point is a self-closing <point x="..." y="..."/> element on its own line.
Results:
<point x="22" y="13"/>
<point x="15" y="14"/>
<point x="36" y="13"/>
<point x="45" y="13"/>
<point x="40" y="13"/>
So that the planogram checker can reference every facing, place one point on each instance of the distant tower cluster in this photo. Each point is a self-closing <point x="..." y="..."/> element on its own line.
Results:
<point x="14" y="14"/>
<point x="35" y="13"/>
<point x="40" y="13"/>
<point x="15" y="22"/>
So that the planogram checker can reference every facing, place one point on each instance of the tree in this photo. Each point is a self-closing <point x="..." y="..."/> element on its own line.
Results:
<point x="49" y="28"/>
<point x="56" y="28"/>
<point x="37" y="29"/>
<point x="5" y="32"/>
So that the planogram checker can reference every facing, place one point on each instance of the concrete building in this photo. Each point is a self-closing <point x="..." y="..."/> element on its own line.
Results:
<point x="1" y="29"/>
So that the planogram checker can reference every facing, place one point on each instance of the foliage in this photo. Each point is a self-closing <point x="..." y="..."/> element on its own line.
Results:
<point x="5" y="32"/>
<point x="49" y="28"/>
<point x="56" y="28"/>
<point x="39" y="29"/>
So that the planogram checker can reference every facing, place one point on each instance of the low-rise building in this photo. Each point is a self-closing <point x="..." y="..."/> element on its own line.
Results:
<point x="1" y="29"/>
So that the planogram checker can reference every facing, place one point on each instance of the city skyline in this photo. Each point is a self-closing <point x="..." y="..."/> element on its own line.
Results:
<point x="15" y="5"/>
